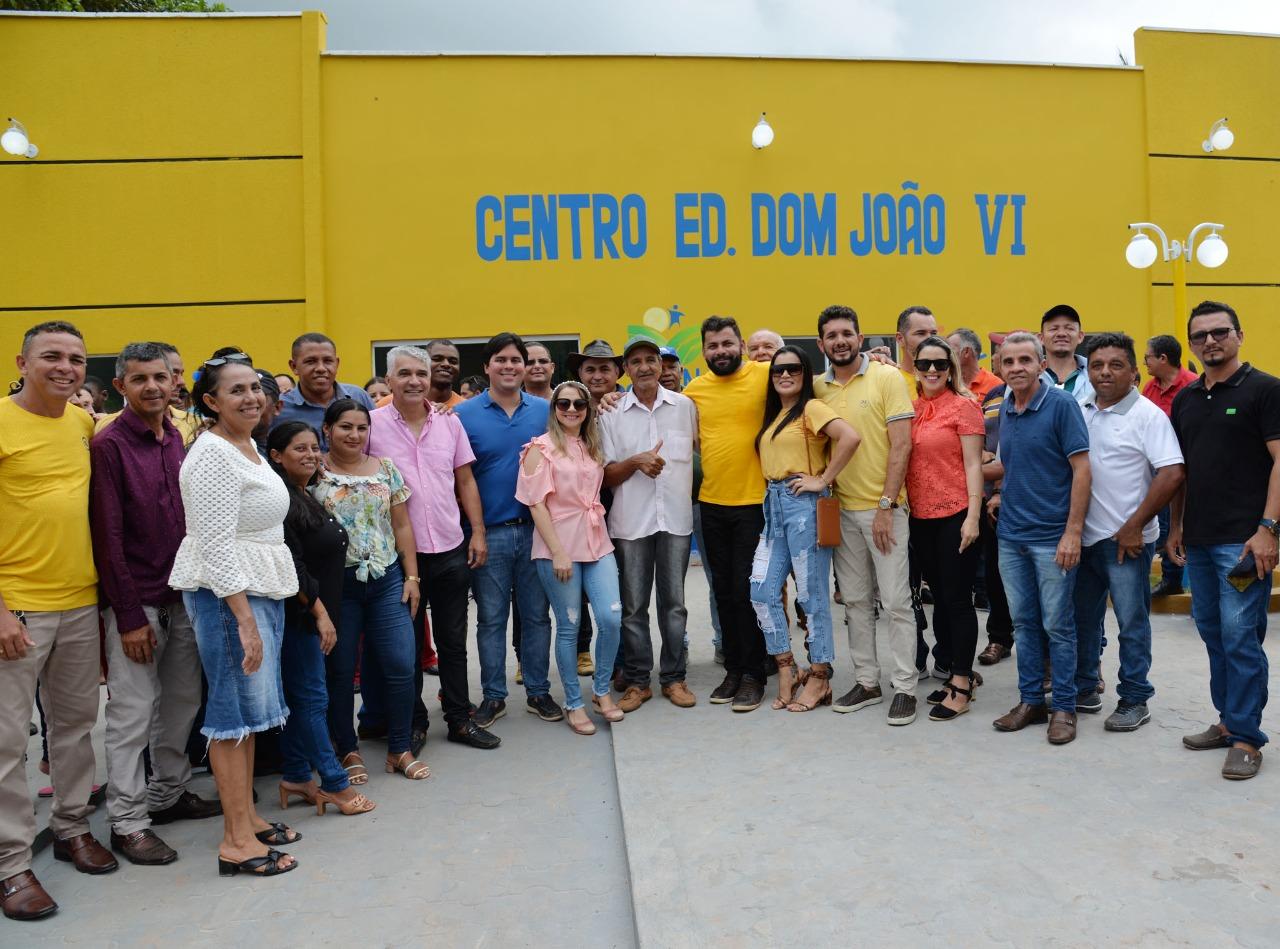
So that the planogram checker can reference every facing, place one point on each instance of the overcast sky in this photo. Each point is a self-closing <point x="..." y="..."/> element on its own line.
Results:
<point x="1081" y="31"/>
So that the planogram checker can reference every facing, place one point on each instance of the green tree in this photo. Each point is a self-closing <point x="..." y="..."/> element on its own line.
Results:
<point x="116" y="6"/>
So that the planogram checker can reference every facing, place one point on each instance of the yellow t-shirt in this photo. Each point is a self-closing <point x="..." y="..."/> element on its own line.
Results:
<point x="46" y="557"/>
<point x="187" y="423"/>
<point x="875" y="396"/>
<point x="730" y="413"/>
<point x="913" y="384"/>
<point x="801" y="447"/>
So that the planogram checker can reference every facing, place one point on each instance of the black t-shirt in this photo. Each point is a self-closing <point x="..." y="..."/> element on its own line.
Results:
<point x="319" y="547"/>
<point x="1224" y="433"/>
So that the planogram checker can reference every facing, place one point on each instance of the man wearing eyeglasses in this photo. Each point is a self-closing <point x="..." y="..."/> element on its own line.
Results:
<point x="1224" y="526"/>
<point x="539" y="371"/>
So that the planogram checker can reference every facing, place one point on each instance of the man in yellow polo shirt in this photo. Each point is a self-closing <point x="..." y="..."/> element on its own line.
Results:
<point x="48" y="612"/>
<point x="730" y="401"/>
<point x="873" y="398"/>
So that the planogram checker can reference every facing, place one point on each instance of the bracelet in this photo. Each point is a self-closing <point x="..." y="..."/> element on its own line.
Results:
<point x="414" y="579"/>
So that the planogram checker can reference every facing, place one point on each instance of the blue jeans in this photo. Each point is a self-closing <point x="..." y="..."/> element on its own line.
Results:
<point x="238" y="705"/>
<point x="790" y="542"/>
<point x="600" y="580"/>
<point x="716" y="638"/>
<point x="510" y="568"/>
<point x="304" y="743"/>
<point x="1169" y="570"/>
<point x="1040" y="601"/>
<point x="1233" y="625"/>
<point x="373" y="608"/>
<point x="1129" y="585"/>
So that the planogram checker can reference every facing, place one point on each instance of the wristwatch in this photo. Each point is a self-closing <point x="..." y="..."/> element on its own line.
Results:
<point x="887" y="504"/>
<point x="1271" y="525"/>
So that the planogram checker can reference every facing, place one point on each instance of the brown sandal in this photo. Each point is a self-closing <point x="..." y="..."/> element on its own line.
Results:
<point x="821" y="671"/>
<point x="357" y="805"/>
<point x="353" y="764"/>
<point x="408" y="765"/>
<point x="785" y="661"/>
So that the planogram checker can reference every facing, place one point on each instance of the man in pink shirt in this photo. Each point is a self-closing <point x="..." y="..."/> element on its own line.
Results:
<point x="1163" y="360"/>
<point x="434" y="457"/>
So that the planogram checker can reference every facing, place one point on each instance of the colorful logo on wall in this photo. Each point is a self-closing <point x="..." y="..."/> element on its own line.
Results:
<point x="664" y="328"/>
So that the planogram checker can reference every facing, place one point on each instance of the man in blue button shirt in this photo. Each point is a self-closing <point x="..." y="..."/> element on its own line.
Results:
<point x="499" y="422"/>
<point x="1044" y="452"/>
<point x="315" y="360"/>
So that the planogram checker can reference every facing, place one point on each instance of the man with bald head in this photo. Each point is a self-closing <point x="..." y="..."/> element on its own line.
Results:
<point x="762" y="344"/>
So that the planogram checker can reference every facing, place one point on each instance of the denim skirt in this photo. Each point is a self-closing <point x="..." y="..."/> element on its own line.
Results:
<point x="238" y="705"/>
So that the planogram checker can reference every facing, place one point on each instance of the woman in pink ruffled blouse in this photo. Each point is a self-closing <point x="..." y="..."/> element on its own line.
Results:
<point x="560" y="477"/>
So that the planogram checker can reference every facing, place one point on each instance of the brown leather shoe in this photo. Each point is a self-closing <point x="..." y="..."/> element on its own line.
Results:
<point x="1212" y="737"/>
<point x="1062" y="727"/>
<point x="679" y="694"/>
<point x="634" y="697"/>
<point x="87" y="854"/>
<point x="22" y="897"/>
<point x="1241" y="764"/>
<point x="144" y="848"/>
<point x="993" y="654"/>
<point x="1020" y="716"/>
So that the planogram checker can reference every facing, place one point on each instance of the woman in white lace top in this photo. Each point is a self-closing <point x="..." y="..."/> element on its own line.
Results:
<point x="235" y="573"/>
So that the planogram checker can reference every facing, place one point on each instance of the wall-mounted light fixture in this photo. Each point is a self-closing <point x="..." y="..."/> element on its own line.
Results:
<point x="15" y="141"/>
<point x="762" y="134"/>
<point x="1220" y="137"/>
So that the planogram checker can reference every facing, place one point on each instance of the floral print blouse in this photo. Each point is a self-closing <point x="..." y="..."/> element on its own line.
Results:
<point x="362" y="504"/>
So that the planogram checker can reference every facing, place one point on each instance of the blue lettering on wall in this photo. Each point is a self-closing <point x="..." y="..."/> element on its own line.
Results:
<point x="488" y="207"/>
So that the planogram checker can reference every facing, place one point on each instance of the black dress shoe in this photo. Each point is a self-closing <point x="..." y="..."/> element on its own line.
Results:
<point x="1165" y="588"/>
<point x="188" y="806"/>
<point x="726" y="690"/>
<point x="469" y="733"/>
<point x="417" y="738"/>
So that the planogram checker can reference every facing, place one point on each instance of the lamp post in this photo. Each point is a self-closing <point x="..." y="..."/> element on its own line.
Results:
<point x="1142" y="252"/>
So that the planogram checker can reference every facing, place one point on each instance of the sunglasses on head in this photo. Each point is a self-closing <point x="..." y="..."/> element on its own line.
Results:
<point x="578" y="405"/>
<point x="1219" y="333"/>
<point x="786" y="369"/>
<point x="230" y="357"/>
<point x="924" y="365"/>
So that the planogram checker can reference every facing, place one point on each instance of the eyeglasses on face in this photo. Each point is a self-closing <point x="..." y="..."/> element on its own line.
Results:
<point x="786" y="369"/>
<point x="938" y="365"/>
<point x="1219" y="333"/>
<point x="230" y="357"/>
<point x="578" y="405"/>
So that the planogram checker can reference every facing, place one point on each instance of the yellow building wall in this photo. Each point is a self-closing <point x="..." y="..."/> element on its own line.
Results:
<point x="216" y="179"/>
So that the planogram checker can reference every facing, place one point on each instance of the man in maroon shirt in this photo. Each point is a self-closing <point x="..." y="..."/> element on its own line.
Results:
<point x="153" y="668"/>
<point x="1168" y="377"/>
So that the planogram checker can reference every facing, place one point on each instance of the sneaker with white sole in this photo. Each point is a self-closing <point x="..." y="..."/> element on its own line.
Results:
<point x="1128" y="717"/>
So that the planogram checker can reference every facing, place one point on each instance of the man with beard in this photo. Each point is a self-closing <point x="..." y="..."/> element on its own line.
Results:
<point x="730" y="401"/>
<point x="915" y="325"/>
<point x="1060" y="333"/>
<point x="1228" y="422"/>
<point x="539" y="371"/>
<point x="872" y="397"/>
<point x="315" y="360"/>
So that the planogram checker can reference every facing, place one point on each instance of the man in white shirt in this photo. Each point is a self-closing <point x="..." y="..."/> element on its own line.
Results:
<point x="648" y="446"/>
<point x="1137" y="466"/>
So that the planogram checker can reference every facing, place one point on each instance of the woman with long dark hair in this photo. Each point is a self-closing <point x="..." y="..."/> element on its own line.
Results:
<point x="944" y="490"/>
<point x="319" y="547"/>
<point x="803" y="447"/>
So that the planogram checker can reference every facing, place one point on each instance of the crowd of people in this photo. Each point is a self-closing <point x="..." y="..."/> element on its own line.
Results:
<point x="245" y="566"/>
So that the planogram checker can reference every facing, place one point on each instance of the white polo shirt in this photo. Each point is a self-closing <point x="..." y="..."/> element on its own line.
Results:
<point x="1128" y="443"/>
<point x="643" y="506"/>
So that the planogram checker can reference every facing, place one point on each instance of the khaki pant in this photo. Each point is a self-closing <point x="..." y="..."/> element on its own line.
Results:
<point x="65" y="660"/>
<point x="149" y="704"/>
<point x="860" y="569"/>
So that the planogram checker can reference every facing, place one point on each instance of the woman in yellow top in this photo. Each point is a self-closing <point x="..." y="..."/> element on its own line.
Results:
<point x="803" y="447"/>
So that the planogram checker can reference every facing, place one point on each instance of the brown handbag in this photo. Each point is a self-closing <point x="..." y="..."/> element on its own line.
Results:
<point x="828" y="516"/>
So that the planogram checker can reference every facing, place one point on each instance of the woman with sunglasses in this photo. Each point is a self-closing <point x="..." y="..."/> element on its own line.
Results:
<point x="235" y="573"/>
<point x="318" y="544"/>
<point x="803" y="447"/>
<point x="944" y="490"/>
<point x="379" y="589"/>
<point x="561" y="473"/>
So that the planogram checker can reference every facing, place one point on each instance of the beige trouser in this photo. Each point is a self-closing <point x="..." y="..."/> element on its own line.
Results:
<point x="65" y="659"/>
<point x="149" y="704"/>
<point x="860" y="569"/>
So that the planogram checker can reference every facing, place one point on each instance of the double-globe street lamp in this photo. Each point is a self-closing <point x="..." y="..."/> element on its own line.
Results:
<point x="1142" y="252"/>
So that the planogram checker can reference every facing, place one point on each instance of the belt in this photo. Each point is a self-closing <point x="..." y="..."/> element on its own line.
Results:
<point x="514" y="522"/>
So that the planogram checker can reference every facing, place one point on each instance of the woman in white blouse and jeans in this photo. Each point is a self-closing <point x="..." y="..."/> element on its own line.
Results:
<point x="235" y="573"/>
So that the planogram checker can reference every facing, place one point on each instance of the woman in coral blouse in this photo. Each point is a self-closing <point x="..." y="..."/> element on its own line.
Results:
<point x="944" y="491"/>
<point x="561" y="473"/>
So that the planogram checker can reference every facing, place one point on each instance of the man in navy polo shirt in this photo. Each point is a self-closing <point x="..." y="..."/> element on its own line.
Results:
<point x="1228" y="422"/>
<point x="315" y="359"/>
<point x="499" y="422"/>
<point x="1044" y="452"/>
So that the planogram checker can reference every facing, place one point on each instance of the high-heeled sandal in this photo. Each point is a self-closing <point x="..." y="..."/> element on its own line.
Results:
<point x="308" y="795"/>
<point x="821" y="671"/>
<point x="614" y="714"/>
<point x="408" y="765"/>
<point x="940" y="713"/>
<point x="267" y="866"/>
<point x="353" y="764"/>
<point x="785" y="661"/>
<point x="356" y="805"/>
<point x="938" y="695"/>
<point x="278" y="834"/>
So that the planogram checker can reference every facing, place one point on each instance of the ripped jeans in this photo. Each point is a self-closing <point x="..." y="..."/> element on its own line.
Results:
<point x="600" y="580"/>
<point x="790" y="543"/>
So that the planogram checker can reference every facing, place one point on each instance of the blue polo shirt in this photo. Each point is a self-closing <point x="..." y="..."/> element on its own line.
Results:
<point x="1035" y="445"/>
<point x="497" y="440"/>
<point x="297" y="409"/>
